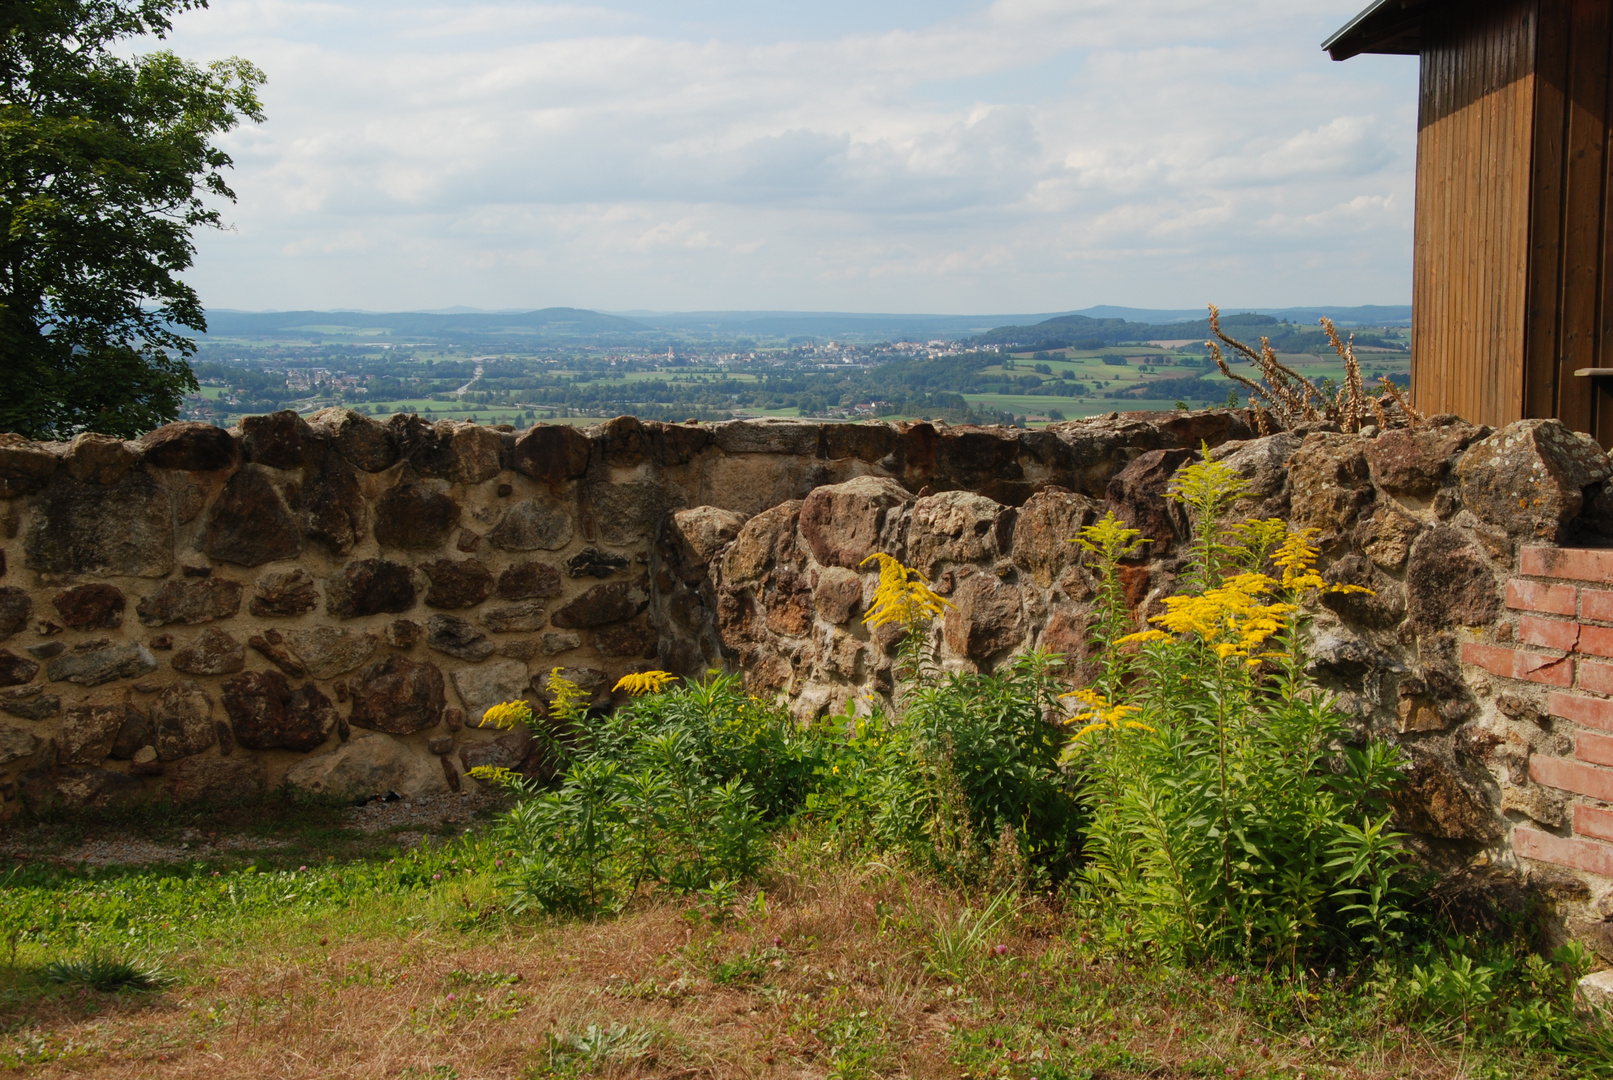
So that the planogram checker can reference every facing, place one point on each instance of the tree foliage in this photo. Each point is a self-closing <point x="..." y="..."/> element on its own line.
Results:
<point x="107" y="166"/>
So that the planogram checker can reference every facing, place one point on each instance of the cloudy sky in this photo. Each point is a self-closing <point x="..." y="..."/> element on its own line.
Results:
<point x="948" y="156"/>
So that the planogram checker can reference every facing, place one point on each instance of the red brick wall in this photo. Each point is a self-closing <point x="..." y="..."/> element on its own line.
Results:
<point x="1564" y="640"/>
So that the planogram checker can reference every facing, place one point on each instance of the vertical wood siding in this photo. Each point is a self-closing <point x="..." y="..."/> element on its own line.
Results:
<point x="1475" y="148"/>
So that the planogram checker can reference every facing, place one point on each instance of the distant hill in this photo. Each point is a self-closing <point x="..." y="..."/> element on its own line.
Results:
<point x="560" y="322"/>
<point x="1084" y="332"/>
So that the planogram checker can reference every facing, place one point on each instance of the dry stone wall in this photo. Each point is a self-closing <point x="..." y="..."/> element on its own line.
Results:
<point x="330" y="603"/>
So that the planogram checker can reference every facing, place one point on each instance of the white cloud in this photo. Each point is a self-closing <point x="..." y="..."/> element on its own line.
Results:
<point x="1015" y="156"/>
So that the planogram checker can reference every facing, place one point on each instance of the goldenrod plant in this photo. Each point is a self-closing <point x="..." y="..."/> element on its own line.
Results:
<point x="1228" y="814"/>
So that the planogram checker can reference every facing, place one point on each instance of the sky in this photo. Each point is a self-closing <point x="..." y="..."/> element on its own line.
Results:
<point x="943" y="156"/>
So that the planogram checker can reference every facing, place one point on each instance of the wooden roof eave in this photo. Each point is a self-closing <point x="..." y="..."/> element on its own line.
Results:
<point x="1387" y="26"/>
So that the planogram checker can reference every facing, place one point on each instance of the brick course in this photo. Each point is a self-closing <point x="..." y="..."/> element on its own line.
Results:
<point x="1575" y="776"/>
<point x="1577" y="564"/>
<point x="1589" y="711"/>
<point x="1590" y="856"/>
<point x="1516" y="664"/>
<point x="1543" y="597"/>
<point x="1550" y="633"/>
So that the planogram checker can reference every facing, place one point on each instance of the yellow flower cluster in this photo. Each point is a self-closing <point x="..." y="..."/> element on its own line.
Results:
<point x="903" y="595"/>
<point x="644" y="682"/>
<point x="508" y="714"/>
<point x="566" y="702"/>
<point x="493" y="774"/>
<point x="1091" y="707"/>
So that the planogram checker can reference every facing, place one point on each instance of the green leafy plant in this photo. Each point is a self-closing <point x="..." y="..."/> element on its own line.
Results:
<point x="107" y="974"/>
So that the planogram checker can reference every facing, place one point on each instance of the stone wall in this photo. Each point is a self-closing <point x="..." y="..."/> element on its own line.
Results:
<point x="330" y="603"/>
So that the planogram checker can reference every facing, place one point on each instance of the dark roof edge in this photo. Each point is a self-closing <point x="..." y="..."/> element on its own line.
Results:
<point x="1386" y="26"/>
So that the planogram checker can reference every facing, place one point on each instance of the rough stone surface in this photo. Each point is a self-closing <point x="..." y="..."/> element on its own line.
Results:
<point x="327" y="651"/>
<point x="1529" y="478"/>
<point x="485" y="685"/>
<point x="952" y="527"/>
<point x="369" y="766"/>
<point x="1137" y="495"/>
<point x="182" y="719"/>
<point x="1415" y="462"/>
<point x="88" y="732"/>
<point x="1263" y="465"/>
<point x="220" y="780"/>
<point x="524" y="617"/>
<point x="81" y="788"/>
<point x="266" y="713"/>
<point x="704" y="531"/>
<point x="1449" y="582"/>
<point x="90" y="607"/>
<point x="15" y="606"/>
<point x="398" y="696"/>
<point x="190" y="602"/>
<point x="1331" y="482"/>
<point x="126" y="530"/>
<point x="284" y="593"/>
<point x="529" y="581"/>
<point x="92" y="664"/>
<point x="631" y="511"/>
<point x="986" y="619"/>
<point x="1386" y="537"/>
<point x="331" y="504"/>
<point x="250" y="523"/>
<point x="457" y="584"/>
<point x="553" y="453"/>
<point x="99" y="459"/>
<point x="278" y="440"/>
<point x="1043" y="529"/>
<point x="30" y="704"/>
<point x="361" y="441"/>
<point x="16" y="670"/>
<point x="17" y="744"/>
<point x="215" y="652"/>
<point x="190" y="446"/>
<point x="767" y="538"/>
<point x="532" y="525"/>
<point x="24" y="466"/>
<point x="626" y="639"/>
<point x="611" y="602"/>
<point x="415" y="517"/>
<point x="592" y="562"/>
<point x="370" y="587"/>
<point x="458" y="638"/>
<point x="845" y="523"/>
<point x="838" y="594"/>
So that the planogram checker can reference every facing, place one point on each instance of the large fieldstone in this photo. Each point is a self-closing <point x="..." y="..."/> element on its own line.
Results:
<point x="190" y="602"/>
<point x="278" y="439"/>
<point x="16" y="670"/>
<point x="25" y="467"/>
<point x="99" y="459"/>
<point x="94" y="663"/>
<point x="451" y="450"/>
<point x="485" y="685"/>
<point x="1137" y="495"/>
<point x="986" y="617"/>
<point x="136" y="732"/>
<point x="16" y="744"/>
<point x="365" y="443"/>
<point x="764" y="540"/>
<point x="554" y="453"/>
<point x="15" y="607"/>
<point x="532" y="525"/>
<point x="845" y="523"/>
<point x="284" y="593"/>
<point x="1043" y="529"/>
<point x="522" y="617"/>
<point x="190" y="446"/>
<point x="704" y="531"/>
<point x="250" y="523"/>
<point x="331" y="503"/>
<point x="370" y="587"/>
<point x="530" y="581"/>
<point x="81" y="788"/>
<point x="1415" y="461"/>
<point x="1263" y="465"/>
<point x="458" y="638"/>
<point x="837" y="595"/>
<point x="221" y="780"/>
<point x="629" y="512"/>
<point x="367" y="767"/>
<point x="457" y="584"/>
<point x="182" y="718"/>
<point x="611" y="602"/>
<point x="398" y="696"/>
<point x="91" y="607"/>
<point x="1449" y="582"/>
<point x="30" y="703"/>
<point x="1330" y="483"/>
<point x="215" y="652"/>
<point x="327" y="651"/>
<point x="1529" y="478"/>
<point x="266" y="713"/>
<point x="88" y="732"/>
<point x="952" y="527"/>
<point x="415" y="517"/>
<point x="126" y="530"/>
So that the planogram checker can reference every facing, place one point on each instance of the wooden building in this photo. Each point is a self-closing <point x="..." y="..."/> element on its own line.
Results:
<point x="1512" y="282"/>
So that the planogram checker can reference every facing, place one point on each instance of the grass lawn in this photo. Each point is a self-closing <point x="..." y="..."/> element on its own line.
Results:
<point x="331" y="955"/>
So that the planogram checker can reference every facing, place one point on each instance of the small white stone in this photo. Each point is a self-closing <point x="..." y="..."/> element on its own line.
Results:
<point x="1595" y="991"/>
<point x="145" y="755"/>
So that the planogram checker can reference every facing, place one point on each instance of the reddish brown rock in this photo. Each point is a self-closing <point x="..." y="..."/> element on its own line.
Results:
<point x="363" y="442"/>
<point x="1331" y="483"/>
<point x="16" y="670"/>
<point x="986" y="619"/>
<point x="250" y="523"/>
<point x="529" y="581"/>
<point x="787" y="597"/>
<point x="1137" y="495"/>
<point x="764" y="540"/>
<point x="182" y="718"/>
<point x="266" y="713"/>
<point x="273" y="648"/>
<point x="415" y="517"/>
<point x="403" y="633"/>
<point x="15" y="607"/>
<point x="88" y="732"/>
<point x="607" y="603"/>
<point x="456" y="585"/>
<point x="843" y="524"/>
<point x="1449" y="582"/>
<point x="99" y="459"/>
<point x="1529" y="478"/>
<point x="626" y="639"/>
<point x="219" y="780"/>
<point x="284" y="593"/>
<point x="213" y="653"/>
<point x="191" y="447"/>
<point x="553" y="453"/>
<point x="449" y="450"/>
<point x="1386" y="537"/>
<point x="838" y="594"/>
<point x="952" y="527"/>
<point x="1043" y="529"/>
<point x="370" y="587"/>
<point x="190" y="602"/>
<point x="91" y="607"/>
<point x="277" y="440"/>
<point x="703" y="532"/>
<point x="458" y="638"/>
<point x="1415" y="461"/>
<point x="398" y="696"/>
